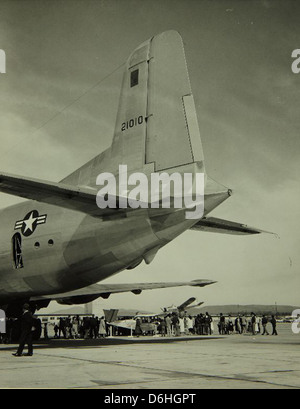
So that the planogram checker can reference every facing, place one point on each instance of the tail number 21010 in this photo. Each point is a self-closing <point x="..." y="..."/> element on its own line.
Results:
<point x="132" y="123"/>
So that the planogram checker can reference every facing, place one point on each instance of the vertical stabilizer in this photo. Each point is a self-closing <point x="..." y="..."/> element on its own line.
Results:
<point x="157" y="121"/>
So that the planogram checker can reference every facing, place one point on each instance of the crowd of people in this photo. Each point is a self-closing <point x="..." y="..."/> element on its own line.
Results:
<point x="182" y="324"/>
<point x="173" y="324"/>
<point x="242" y="324"/>
<point x="204" y="324"/>
<point x="88" y="327"/>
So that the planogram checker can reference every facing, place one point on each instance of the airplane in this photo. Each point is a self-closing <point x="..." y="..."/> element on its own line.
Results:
<point x="58" y="244"/>
<point x="172" y="309"/>
<point x="129" y="323"/>
<point x="187" y="305"/>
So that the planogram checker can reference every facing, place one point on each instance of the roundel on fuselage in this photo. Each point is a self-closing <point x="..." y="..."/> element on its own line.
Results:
<point x="30" y="222"/>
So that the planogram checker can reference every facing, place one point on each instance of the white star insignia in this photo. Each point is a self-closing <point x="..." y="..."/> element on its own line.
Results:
<point x="29" y="223"/>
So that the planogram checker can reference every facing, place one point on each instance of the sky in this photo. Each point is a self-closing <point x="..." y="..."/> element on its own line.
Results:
<point x="59" y="101"/>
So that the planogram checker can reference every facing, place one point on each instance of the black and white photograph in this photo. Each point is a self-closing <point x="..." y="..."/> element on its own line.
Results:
<point x="149" y="197"/>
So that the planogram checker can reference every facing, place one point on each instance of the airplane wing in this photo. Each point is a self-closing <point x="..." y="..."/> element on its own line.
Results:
<point x="186" y="303"/>
<point x="82" y="199"/>
<point x="127" y="324"/>
<point x="215" y="225"/>
<point x="95" y="291"/>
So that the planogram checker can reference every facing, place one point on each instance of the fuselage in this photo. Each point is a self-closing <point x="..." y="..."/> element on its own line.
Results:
<point x="47" y="249"/>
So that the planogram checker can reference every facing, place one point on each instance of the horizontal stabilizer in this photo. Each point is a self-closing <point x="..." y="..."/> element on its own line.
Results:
<point x="214" y="225"/>
<point x="70" y="197"/>
<point x="195" y="305"/>
<point x="105" y="290"/>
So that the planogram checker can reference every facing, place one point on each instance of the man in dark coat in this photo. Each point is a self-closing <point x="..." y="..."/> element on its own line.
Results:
<point x="274" y="324"/>
<point x="264" y="322"/>
<point x="93" y="327"/>
<point x="138" y="328"/>
<point x="26" y="332"/>
<point x="253" y="322"/>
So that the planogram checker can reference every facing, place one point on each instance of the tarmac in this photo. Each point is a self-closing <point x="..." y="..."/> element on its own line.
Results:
<point x="190" y="362"/>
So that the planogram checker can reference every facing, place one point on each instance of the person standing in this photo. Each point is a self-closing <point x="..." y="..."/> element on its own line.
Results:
<point x="26" y="332"/>
<point x="163" y="327"/>
<point x="208" y="321"/>
<point x="253" y="323"/>
<point x="264" y="322"/>
<point x="68" y="328"/>
<point x="202" y="324"/>
<point x="212" y="328"/>
<point x="229" y="325"/>
<point x="102" y="328"/>
<point x="257" y="325"/>
<point x="138" y="328"/>
<point x="175" y="325"/>
<point x="46" y="331"/>
<point x="243" y="324"/>
<point x="237" y="324"/>
<point x="169" y="325"/>
<point x="274" y="324"/>
<point x="62" y="328"/>
<point x="75" y="324"/>
<point x="181" y="326"/>
<point x="56" y="331"/>
<point x="190" y="324"/>
<point x="93" y="327"/>
<point x="222" y="325"/>
<point x="87" y="327"/>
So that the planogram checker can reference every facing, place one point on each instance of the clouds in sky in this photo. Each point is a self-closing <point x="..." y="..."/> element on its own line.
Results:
<point x="239" y="58"/>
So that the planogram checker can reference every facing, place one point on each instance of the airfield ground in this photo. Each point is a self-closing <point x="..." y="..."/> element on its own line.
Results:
<point x="235" y="361"/>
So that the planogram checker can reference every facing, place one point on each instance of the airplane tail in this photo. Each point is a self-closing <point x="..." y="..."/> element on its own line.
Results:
<point x="156" y="130"/>
<point x="157" y="123"/>
<point x="156" y="126"/>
